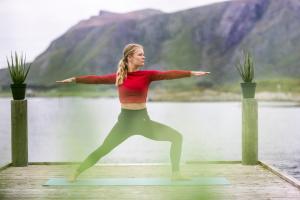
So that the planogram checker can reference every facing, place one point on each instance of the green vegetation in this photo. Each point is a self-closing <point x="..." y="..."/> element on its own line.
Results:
<point x="177" y="51"/>
<point x="284" y="85"/>
<point x="246" y="67"/>
<point x="279" y="85"/>
<point x="17" y="68"/>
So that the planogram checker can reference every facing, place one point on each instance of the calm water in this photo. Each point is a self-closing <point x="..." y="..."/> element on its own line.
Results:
<point x="68" y="129"/>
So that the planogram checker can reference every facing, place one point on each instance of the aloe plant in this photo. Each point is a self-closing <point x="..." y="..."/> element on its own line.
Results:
<point x="17" y="68"/>
<point x="246" y="68"/>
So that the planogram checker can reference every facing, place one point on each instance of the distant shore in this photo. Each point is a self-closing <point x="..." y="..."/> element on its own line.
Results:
<point x="211" y="95"/>
<point x="162" y="95"/>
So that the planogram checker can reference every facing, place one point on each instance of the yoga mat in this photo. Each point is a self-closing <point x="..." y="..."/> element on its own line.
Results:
<point x="139" y="181"/>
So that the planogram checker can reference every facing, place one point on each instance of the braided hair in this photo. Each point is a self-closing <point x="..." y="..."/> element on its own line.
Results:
<point x="129" y="49"/>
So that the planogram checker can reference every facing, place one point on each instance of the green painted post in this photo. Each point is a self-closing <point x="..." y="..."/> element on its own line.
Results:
<point x="249" y="132"/>
<point x="19" y="138"/>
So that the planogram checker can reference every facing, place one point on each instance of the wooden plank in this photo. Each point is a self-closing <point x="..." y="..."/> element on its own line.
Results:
<point x="213" y="162"/>
<point x="246" y="182"/>
<point x="5" y="166"/>
<point x="281" y="174"/>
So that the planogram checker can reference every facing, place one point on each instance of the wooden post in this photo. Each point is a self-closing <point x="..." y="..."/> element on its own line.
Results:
<point x="19" y="138"/>
<point x="249" y="132"/>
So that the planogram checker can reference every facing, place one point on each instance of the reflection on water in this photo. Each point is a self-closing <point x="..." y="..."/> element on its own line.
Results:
<point x="68" y="129"/>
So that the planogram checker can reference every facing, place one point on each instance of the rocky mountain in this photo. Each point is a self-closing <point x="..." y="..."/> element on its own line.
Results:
<point x="212" y="37"/>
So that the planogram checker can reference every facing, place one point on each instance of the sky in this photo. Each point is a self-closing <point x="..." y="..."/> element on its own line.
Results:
<point x="30" y="26"/>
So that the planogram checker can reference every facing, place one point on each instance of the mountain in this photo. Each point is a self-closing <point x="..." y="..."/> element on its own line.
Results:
<point x="210" y="36"/>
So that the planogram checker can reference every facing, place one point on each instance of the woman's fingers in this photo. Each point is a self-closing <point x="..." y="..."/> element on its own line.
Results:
<point x="69" y="80"/>
<point x="204" y="73"/>
<point x="63" y="81"/>
<point x="200" y="73"/>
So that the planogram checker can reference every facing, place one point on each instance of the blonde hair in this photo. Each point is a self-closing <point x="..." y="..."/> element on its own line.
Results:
<point x="128" y="50"/>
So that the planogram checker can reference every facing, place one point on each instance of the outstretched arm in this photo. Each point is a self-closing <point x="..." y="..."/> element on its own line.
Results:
<point x="91" y="79"/>
<point x="156" y="75"/>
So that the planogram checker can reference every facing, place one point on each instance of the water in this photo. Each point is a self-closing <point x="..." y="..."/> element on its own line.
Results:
<point x="68" y="129"/>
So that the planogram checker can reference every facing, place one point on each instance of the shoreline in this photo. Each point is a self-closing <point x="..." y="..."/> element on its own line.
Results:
<point x="208" y="95"/>
<point x="171" y="96"/>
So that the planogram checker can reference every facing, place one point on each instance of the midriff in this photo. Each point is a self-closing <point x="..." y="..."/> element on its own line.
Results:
<point x="133" y="106"/>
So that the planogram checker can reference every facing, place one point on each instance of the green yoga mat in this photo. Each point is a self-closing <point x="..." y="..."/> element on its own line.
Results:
<point x="138" y="181"/>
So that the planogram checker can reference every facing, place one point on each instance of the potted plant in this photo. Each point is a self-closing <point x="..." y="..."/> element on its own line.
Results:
<point x="246" y="70"/>
<point x="18" y="73"/>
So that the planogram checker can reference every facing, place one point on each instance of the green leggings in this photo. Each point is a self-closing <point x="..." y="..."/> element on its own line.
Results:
<point x="136" y="122"/>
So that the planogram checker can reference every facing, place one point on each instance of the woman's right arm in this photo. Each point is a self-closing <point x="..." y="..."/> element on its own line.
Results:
<point x="91" y="79"/>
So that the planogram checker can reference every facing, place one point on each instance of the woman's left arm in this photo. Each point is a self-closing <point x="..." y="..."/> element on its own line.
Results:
<point x="199" y="73"/>
<point x="156" y="75"/>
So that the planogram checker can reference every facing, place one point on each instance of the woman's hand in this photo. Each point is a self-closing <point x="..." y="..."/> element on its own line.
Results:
<point x="69" y="80"/>
<point x="199" y="73"/>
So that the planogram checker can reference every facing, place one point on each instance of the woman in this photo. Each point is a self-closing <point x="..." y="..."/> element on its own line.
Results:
<point x="133" y="86"/>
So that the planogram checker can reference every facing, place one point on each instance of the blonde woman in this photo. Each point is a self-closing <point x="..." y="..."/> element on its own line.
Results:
<point x="132" y="84"/>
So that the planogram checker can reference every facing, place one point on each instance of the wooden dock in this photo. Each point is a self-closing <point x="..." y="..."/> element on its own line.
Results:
<point x="246" y="182"/>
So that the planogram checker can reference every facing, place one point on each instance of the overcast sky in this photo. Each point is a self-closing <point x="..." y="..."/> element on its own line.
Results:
<point x="30" y="25"/>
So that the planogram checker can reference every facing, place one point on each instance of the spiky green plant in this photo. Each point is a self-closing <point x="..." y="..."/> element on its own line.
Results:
<point x="246" y="68"/>
<point x="17" y="68"/>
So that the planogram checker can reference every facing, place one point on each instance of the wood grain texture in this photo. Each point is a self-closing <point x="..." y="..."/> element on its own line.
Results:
<point x="246" y="182"/>
<point x="19" y="137"/>
<point x="249" y="132"/>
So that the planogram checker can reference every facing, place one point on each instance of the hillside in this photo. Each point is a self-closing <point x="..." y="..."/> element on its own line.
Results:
<point x="210" y="36"/>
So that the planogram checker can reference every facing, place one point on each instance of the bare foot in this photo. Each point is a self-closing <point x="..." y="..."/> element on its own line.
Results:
<point x="177" y="176"/>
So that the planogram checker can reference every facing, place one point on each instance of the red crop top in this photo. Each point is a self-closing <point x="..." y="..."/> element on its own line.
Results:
<point x="135" y="87"/>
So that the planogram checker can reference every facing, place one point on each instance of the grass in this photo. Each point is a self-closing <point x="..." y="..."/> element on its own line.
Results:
<point x="282" y="85"/>
<point x="270" y="85"/>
